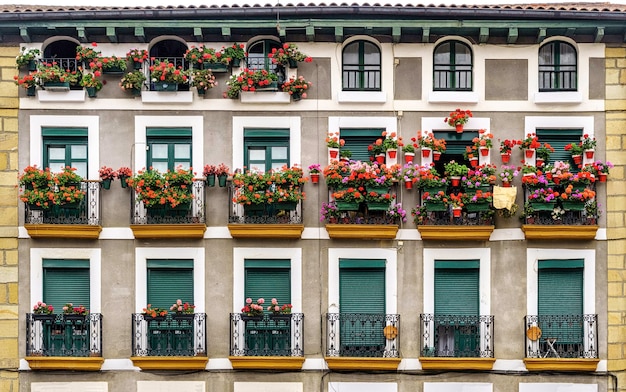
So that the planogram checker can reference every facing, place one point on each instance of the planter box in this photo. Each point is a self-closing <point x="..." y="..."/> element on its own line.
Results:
<point x="165" y="86"/>
<point x="560" y="232"/>
<point x="347" y="206"/>
<point x="361" y="232"/>
<point x="56" y="86"/>
<point x="455" y="233"/>
<point x="216" y="67"/>
<point x="475" y="207"/>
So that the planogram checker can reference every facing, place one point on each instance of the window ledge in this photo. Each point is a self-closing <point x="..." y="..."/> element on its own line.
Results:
<point x="559" y="97"/>
<point x="361" y="232"/>
<point x="266" y="230"/>
<point x="61" y="96"/>
<point x="455" y="233"/>
<point x="85" y="232"/>
<point x="265" y="97"/>
<point x="269" y="363"/>
<point x="440" y="363"/>
<point x="560" y="232"/>
<point x="562" y="364"/>
<point x="362" y="96"/>
<point x="170" y="363"/>
<point x="453" y="96"/>
<point x="359" y="364"/>
<point x="167" y="97"/>
<point x="89" y="364"/>
<point x="191" y="230"/>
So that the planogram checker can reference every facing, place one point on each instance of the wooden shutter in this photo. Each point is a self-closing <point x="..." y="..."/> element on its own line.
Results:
<point x="457" y="287"/>
<point x="558" y="139"/>
<point x="362" y="286"/>
<point x="560" y="287"/>
<point x="357" y="140"/>
<point x="169" y="280"/>
<point x="268" y="279"/>
<point x="66" y="281"/>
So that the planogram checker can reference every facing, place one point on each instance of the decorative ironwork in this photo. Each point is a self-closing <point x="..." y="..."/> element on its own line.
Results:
<point x="267" y="335"/>
<point x="561" y="336"/>
<point x="169" y="335"/>
<point x="87" y="212"/>
<point x="56" y="335"/>
<point x="363" y="335"/>
<point x="446" y="218"/>
<point x="166" y="215"/>
<point x="456" y="336"/>
<point x="558" y="215"/>
<point x="263" y="213"/>
<point x="69" y="63"/>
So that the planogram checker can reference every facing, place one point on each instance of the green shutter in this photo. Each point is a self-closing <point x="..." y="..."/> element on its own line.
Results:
<point x="169" y="280"/>
<point x="268" y="279"/>
<point x="269" y="144"/>
<point x="357" y="140"/>
<point x="455" y="142"/>
<point x="168" y="132"/>
<point x="560" y="287"/>
<point x="361" y="290"/>
<point x="457" y="288"/>
<point x="64" y="132"/>
<point x="66" y="281"/>
<point x="558" y="139"/>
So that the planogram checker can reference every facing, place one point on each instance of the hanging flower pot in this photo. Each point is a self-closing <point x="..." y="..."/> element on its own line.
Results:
<point x="408" y="157"/>
<point x="459" y="128"/>
<point x="602" y="177"/>
<point x="221" y="180"/>
<point x="210" y="180"/>
<point x="392" y="153"/>
<point x="456" y="212"/>
<point x="106" y="183"/>
<point x="315" y="178"/>
<point x="425" y="152"/>
<point x="436" y="155"/>
<point x="540" y="162"/>
<point x="506" y="157"/>
<point x="506" y="184"/>
<point x="334" y="153"/>
<point x="589" y="154"/>
<point x="408" y="184"/>
<point x="578" y="159"/>
<point x="484" y="151"/>
<point x="380" y="158"/>
<point x="474" y="161"/>
<point x="456" y="180"/>
<point x="529" y="152"/>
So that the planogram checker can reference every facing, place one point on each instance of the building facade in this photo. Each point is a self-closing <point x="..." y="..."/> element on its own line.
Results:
<point x="490" y="299"/>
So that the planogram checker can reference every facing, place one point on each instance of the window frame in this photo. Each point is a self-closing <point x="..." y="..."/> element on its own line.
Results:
<point x="172" y="266"/>
<point x="556" y="84"/>
<point x="451" y="67"/>
<point x="66" y="138"/>
<point x="170" y="137"/>
<point x="266" y="138"/>
<point x="362" y="85"/>
<point x="268" y="44"/>
<point x="70" y="268"/>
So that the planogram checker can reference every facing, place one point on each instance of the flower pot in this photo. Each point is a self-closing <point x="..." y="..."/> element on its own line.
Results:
<point x="475" y="207"/>
<point x="315" y="178"/>
<point x="539" y="162"/>
<point x="474" y="161"/>
<point x="602" y="177"/>
<point x="91" y="92"/>
<point x="543" y="206"/>
<point x="459" y="128"/>
<point x="456" y="212"/>
<point x="573" y="205"/>
<point x="506" y="158"/>
<point x="201" y="92"/>
<point x="221" y="180"/>
<point x="210" y="180"/>
<point x="425" y="152"/>
<point x="157" y="319"/>
<point x="378" y="205"/>
<point x="408" y="184"/>
<point x="164" y="86"/>
<point x="484" y="151"/>
<point x="392" y="153"/>
<point x="347" y="205"/>
<point x="408" y="157"/>
<point x="333" y="152"/>
<point x="137" y="65"/>
<point x="31" y="91"/>
<point x="272" y="86"/>
<point x="435" y="189"/>
<point x="56" y="86"/>
<point x="215" y="67"/>
<point x="380" y="158"/>
<point x="296" y="96"/>
<point x="123" y="180"/>
<point x="180" y="317"/>
<point x="280" y="317"/>
<point x="380" y="190"/>
<point x="113" y="70"/>
<point x="235" y="62"/>
<point x="44" y="318"/>
<point x="506" y="184"/>
<point x="106" y="184"/>
<point x="589" y="154"/>
<point x="529" y="152"/>
<point x="455" y="180"/>
<point x="435" y="206"/>
<point x="578" y="159"/>
<point x="74" y="317"/>
<point x="245" y="317"/>
<point x="254" y="209"/>
<point x="32" y="65"/>
<point x="436" y="155"/>
<point x="135" y="92"/>
<point x="293" y="63"/>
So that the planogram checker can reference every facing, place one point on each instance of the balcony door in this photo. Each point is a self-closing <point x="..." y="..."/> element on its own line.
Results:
<point x="64" y="147"/>
<point x="169" y="148"/>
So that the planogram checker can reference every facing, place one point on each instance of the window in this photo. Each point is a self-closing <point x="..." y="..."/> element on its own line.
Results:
<point x="169" y="148"/>
<point x="63" y="52"/>
<point x="266" y="149"/>
<point x="65" y="147"/>
<point x="257" y="55"/>
<point x="169" y="280"/>
<point x="456" y="296"/>
<point x="362" y="322"/>
<point x="455" y="147"/>
<point x="557" y="67"/>
<point x="66" y="281"/>
<point x="361" y="70"/>
<point x="171" y="50"/>
<point x="357" y="140"/>
<point x="558" y="139"/>
<point x="452" y="67"/>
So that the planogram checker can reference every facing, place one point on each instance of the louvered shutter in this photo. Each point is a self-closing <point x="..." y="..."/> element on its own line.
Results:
<point x="66" y="281"/>
<point x="268" y="279"/>
<point x="560" y="287"/>
<point x="362" y="286"/>
<point x="558" y="139"/>
<point x="357" y="140"/>
<point x="169" y="280"/>
<point x="457" y="288"/>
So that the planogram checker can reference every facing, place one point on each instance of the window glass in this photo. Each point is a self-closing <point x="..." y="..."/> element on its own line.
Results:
<point x="557" y="67"/>
<point x="266" y="149"/>
<point x="257" y="55"/>
<point x="452" y="67"/>
<point x="61" y="151"/>
<point x="169" y="153"/>
<point x="361" y="67"/>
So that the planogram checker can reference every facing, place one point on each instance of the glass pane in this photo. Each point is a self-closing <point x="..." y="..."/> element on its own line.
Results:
<point x="56" y="153"/>
<point x="78" y="151"/>
<point x="372" y="54"/>
<point x="160" y="166"/>
<point x="351" y="54"/>
<point x="159" y="151"/>
<point x="182" y="151"/>
<point x="545" y="55"/>
<point x="57" y="167"/>
<point x="568" y="55"/>
<point x="276" y="166"/>
<point x="181" y="165"/>
<point x="279" y="153"/>
<point x="256" y="154"/>
<point x="81" y="168"/>
<point x="442" y="54"/>
<point x="463" y="54"/>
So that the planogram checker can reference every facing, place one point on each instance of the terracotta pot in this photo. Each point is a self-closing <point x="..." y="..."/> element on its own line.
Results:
<point x="459" y="128"/>
<point x="539" y="162"/>
<point x="473" y="162"/>
<point x="484" y="151"/>
<point x="506" y="158"/>
<point x="529" y="152"/>
<point x="425" y="152"/>
<point x="315" y="178"/>
<point x="602" y="177"/>
<point x="436" y="155"/>
<point x="408" y="157"/>
<point x="380" y="159"/>
<point x="392" y="153"/>
<point x="578" y="159"/>
<point x="456" y="212"/>
<point x="334" y="152"/>
<point x="589" y="154"/>
<point x="455" y="180"/>
<point x="408" y="184"/>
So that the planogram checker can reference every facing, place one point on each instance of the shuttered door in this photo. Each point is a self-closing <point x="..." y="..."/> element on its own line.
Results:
<point x="268" y="279"/>
<point x="457" y="287"/>
<point x="169" y="280"/>
<point x="357" y="140"/>
<point x="66" y="281"/>
<point x="455" y="147"/>
<point x="558" y="139"/>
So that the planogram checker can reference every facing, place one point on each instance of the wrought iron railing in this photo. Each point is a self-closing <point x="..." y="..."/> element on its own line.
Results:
<point x="363" y="335"/>
<point x="59" y="335"/>
<point x="456" y="336"/>
<point x="170" y="335"/>
<point x="285" y="213"/>
<point x="179" y="62"/>
<point x="559" y="212"/>
<point x="267" y="335"/>
<point x="367" y="79"/>
<point x="561" y="80"/>
<point x="191" y="213"/>
<point x="465" y="218"/>
<point x="446" y="79"/>
<point x="561" y="336"/>
<point x="86" y="212"/>
<point x="70" y="63"/>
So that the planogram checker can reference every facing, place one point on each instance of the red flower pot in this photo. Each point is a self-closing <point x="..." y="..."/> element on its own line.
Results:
<point x="578" y="159"/>
<point x="334" y="152"/>
<point x="408" y="157"/>
<point x="602" y="177"/>
<point x="484" y="151"/>
<point x="459" y="128"/>
<point x="589" y="154"/>
<point x="425" y="152"/>
<point x="473" y="162"/>
<point x="408" y="184"/>
<point x="539" y="162"/>
<point x="506" y="184"/>
<point x="455" y="180"/>
<point x="392" y="153"/>
<point x="380" y="159"/>
<point x="529" y="152"/>
<point x="456" y="212"/>
<point x="506" y="158"/>
<point x="436" y="155"/>
<point x="315" y="178"/>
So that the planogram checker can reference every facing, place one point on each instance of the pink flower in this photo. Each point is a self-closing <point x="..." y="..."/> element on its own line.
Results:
<point x="248" y="300"/>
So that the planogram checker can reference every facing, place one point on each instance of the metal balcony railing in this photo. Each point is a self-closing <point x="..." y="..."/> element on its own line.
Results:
<point x="561" y="336"/>
<point x="458" y="79"/>
<point x="363" y="335"/>
<point x="559" y="212"/>
<point x="179" y="62"/>
<point x="466" y="218"/>
<point x="87" y="212"/>
<point x="170" y="335"/>
<point x="193" y="214"/>
<point x="267" y="335"/>
<point x="456" y="336"/>
<point x="59" y="335"/>
<point x="70" y="63"/>
<point x="284" y="213"/>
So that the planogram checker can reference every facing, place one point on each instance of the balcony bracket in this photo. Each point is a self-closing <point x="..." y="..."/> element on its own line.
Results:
<point x="449" y="363"/>
<point x="190" y="230"/>
<point x="245" y="230"/>
<point x="562" y="364"/>
<point x="560" y="232"/>
<point x="361" y="232"/>
<point x="270" y="363"/>
<point x="87" y="364"/>
<point x="360" y="364"/>
<point x="455" y="233"/>
<point x="84" y="232"/>
<point x="170" y="363"/>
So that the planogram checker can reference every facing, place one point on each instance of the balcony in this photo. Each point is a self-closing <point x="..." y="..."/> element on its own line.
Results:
<point x="363" y="224"/>
<point x="186" y="221"/>
<point x="171" y="342"/>
<point x="456" y="342"/>
<point x="274" y="342"/>
<point x="362" y="341"/>
<point x="64" y="342"/>
<point x="561" y="342"/>
<point x="81" y="221"/>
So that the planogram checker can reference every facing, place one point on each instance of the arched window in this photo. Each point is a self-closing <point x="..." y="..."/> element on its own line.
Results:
<point x="62" y="52"/>
<point x="452" y="67"/>
<point x="557" y="67"/>
<point x="257" y="55"/>
<point x="171" y="50"/>
<point x="361" y="67"/>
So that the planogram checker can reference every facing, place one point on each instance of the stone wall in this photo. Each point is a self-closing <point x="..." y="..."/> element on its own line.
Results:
<point x="616" y="209"/>
<point x="8" y="222"/>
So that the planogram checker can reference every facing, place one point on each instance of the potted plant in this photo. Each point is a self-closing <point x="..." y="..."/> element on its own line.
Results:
<point x="505" y="149"/>
<point x="543" y="154"/>
<point x="329" y="212"/>
<point x="166" y="76"/>
<point x="348" y="199"/>
<point x="52" y="77"/>
<point x="202" y="80"/>
<point x="252" y="311"/>
<point x="182" y="311"/>
<point x="479" y="201"/>
<point x="592" y="212"/>
<point x="333" y="142"/>
<point x="483" y="142"/>
<point x="390" y="143"/>
<point x="396" y="213"/>
<point x="92" y="84"/>
<point x="107" y="175"/>
<point x="221" y="172"/>
<point x="377" y="150"/>
<point x="458" y="119"/>
<point x="156" y="192"/>
<point x="456" y="202"/>
<point x="288" y="55"/>
<point x="430" y="144"/>
<point x="250" y="81"/>
<point x="345" y="154"/>
<point x="28" y="57"/>
<point x="74" y="313"/>
<point x="209" y="174"/>
<point x="314" y="172"/>
<point x="296" y="87"/>
<point x="151" y="313"/>
<point x="377" y="201"/>
<point x="235" y="53"/>
<point x="409" y="150"/>
<point x="410" y="175"/>
<point x="86" y="53"/>
<point x="43" y="313"/>
<point x="576" y="150"/>
<point x="435" y="201"/>
<point x="529" y="145"/>
<point x="279" y="312"/>
<point x="430" y="181"/>
<point x="455" y="171"/>
<point x="507" y="175"/>
<point x="602" y="169"/>
<point x="28" y="82"/>
<point x="137" y="57"/>
<point x="124" y="173"/>
<point x="111" y="65"/>
<point x="420" y="215"/>
<point x="575" y="199"/>
<point x="35" y="178"/>
<point x="133" y="81"/>
<point x="588" y="145"/>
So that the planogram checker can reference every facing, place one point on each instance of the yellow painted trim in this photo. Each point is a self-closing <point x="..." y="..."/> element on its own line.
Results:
<point x="355" y="363"/>
<point x="562" y="364"/>
<point x="170" y="363"/>
<point x="269" y="363"/>
<point x="244" y="230"/>
<point x="447" y="363"/>
<point x="560" y="232"/>
<point x="184" y="230"/>
<point x="84" y="232"/>
<point x="87" y="364"/>
<point x="362" y="232"/>
<point x="455" y="233"/>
